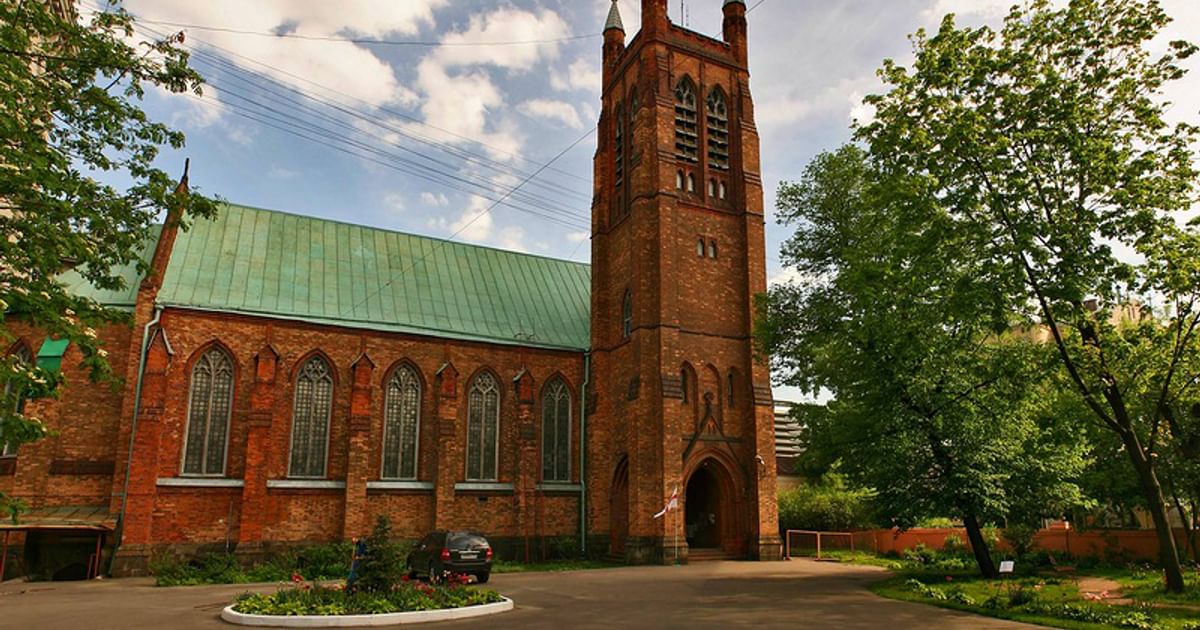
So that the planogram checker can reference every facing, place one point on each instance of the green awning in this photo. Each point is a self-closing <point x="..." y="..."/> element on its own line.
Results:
<point x="49" y="357"/>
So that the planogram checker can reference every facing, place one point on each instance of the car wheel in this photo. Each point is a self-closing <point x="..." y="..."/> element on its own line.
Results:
<point x="482" y="578"/>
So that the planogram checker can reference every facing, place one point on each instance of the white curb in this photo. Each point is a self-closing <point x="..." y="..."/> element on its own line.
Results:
<point x="364" y="621"/>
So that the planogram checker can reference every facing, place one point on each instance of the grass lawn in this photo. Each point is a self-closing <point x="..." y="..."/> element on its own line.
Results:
<point x="501" y="566"/>
<point x="1048" y="600"/>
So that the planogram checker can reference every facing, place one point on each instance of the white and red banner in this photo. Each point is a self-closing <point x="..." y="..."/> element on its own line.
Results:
<point x="672" y="503"/>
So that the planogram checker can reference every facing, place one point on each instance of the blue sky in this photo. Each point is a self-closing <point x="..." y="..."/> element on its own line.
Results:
<point x="497" y="113"/>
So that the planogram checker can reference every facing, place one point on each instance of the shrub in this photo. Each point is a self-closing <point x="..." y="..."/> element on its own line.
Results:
<point x="827" y="505"/>
<point x="954" y="546"/>
<point x="921" y="554"/>
<point x="1020" y="538"/>
<point x="383" y="565"/>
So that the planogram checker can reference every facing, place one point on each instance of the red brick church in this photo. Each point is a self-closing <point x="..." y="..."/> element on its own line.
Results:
<point x="287" y="379"/>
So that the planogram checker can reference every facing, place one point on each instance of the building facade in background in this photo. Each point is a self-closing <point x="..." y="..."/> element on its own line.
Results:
<point x="287" y="380"/>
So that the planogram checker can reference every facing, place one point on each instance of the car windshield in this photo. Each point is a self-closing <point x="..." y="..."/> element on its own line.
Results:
<point x="466" y="540"/>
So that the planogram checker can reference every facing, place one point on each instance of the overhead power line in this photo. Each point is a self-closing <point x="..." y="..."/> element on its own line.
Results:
<point x="287" y="116"/>
<point x="368" y="41"/>
<point x="441" y="244"/>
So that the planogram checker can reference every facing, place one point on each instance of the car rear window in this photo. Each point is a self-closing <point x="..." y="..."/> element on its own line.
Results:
<point x="464" y="540"/>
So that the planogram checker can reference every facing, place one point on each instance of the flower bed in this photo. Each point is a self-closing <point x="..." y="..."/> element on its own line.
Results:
<point x="329" y="601"/>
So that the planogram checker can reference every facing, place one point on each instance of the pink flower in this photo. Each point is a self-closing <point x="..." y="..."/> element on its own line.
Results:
<point x="949" y="578"/>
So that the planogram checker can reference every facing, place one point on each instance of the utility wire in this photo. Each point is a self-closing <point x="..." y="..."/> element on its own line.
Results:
<point x="442" y="243"/>
<point x="383" y="109"/>
<point x="425" y="171"/>
<point x="368" y="41"/>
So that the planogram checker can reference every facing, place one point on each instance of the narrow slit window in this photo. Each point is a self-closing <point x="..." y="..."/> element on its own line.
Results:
<point x="700" y="248"/>
<point x="712" y="249"/>
<point x="627" y="315"/>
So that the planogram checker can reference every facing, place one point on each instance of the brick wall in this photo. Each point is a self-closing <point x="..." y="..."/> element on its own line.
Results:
<point x="691" y="313"/>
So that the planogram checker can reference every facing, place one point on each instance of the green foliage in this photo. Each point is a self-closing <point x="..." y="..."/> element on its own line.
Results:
<point x="404" y="597"/>
<point x="965" y="300"/>
<point x="383" y="566"/>
<point x="320" y="562"/>
<point x="828" y="505"/>
<point x="1020" y="537"/>
<point x="69" y="93"/>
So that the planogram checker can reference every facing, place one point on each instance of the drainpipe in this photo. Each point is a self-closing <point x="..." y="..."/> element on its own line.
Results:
<point x="137" y="406"/>
<point x="587" y="379"/>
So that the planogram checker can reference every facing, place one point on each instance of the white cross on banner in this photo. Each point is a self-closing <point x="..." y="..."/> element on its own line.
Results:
<point x="672" y="503"/>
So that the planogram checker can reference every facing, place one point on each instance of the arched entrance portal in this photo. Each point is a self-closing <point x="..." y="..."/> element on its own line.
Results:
<point x="618" y="509"/>
<point x="702" y="509"/>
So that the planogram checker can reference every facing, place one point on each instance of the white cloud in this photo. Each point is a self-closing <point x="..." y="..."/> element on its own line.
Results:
<point x="354" y="70"/>
<point x="558" y="111"/>
<point x="435" y="200"/>
<point x="578" y="237"/>
<point x="842" y="99"/>
<point x="787" y="275"/>
<point x="583" y="74"/>
<point x="395" y="202"/>
<point x="506" y="24"/>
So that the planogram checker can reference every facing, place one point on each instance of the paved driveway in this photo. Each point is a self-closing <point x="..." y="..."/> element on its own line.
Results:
<point x="796" y="594"/>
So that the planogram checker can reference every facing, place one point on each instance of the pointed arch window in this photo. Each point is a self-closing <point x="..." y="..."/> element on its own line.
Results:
<point x="627" y="315"/>
<point x="310" y="419"/>
<point x="687" y="143"/>
<point x="401" y="424"/>
<point x="684" y="385"/>
<point x="21" y="356"/>
<point x="718" y="130"/>
<point x="210" y="403"/>
<point x="731" y="386"/>
<point x="483" y="428"/>
<point x="619" y="148"/>
<point x="556" y="432"/>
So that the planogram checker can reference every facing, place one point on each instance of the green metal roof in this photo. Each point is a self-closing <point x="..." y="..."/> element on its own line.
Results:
<point x="124" y="298"/>
<point x="271" y="263"/>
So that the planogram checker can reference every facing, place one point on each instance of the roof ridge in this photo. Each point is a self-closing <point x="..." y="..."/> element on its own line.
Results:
<point x="391" y="231"/>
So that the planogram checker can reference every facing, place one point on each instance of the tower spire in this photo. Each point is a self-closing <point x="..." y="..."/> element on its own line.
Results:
<point x="614" y="18"/>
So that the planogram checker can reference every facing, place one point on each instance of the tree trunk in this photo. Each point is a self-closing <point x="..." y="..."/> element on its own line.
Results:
<point x="1185" y="518"/>
<point x="1156" y="504"/>
<point x="983" y="557"/>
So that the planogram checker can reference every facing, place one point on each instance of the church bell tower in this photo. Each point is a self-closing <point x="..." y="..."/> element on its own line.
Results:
<point x="681" y="404"/>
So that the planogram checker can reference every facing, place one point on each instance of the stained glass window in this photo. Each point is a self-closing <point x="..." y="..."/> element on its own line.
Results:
<point x="209" y="407"/>
<point x="310" y="419"/>
<point x="483" y="428"/>
<point x="556" y="432"/>
<point x="401" y="424"/>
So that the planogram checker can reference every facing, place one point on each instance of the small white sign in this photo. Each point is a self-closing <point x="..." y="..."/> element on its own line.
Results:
<point x="1007" y="566"/>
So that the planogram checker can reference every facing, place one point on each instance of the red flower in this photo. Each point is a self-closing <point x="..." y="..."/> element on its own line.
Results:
<point x="404" y="578"/>
<point x="949" y="578"/>
<point x="296" y="577"/>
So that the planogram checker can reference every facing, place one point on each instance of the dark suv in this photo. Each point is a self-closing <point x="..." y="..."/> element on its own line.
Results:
<point x="440" y="553"/>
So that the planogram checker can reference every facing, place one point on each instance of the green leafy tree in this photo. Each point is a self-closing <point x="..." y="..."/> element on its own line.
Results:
<point x="1046" y="146"/>
<point x="383" y="566"/>
<point x="69" y="118"/>
<point x="936" y="402"/>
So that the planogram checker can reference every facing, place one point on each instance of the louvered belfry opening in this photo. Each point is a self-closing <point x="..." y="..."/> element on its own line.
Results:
<point x="718" y="130"/>
<point x="687" y="142"/>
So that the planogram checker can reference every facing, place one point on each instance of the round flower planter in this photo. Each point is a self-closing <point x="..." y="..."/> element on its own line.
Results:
<point x="364" y="621"/>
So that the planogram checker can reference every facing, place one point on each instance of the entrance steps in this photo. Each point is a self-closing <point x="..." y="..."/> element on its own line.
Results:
<point x="710" y="555"/>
